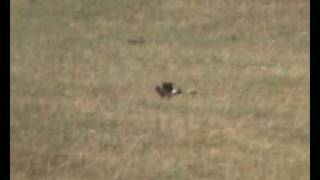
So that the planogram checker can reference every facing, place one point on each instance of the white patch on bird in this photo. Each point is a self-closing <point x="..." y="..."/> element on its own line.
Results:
<point x="174" y="91"/>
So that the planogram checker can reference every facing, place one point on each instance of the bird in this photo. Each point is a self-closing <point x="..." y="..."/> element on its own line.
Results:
<point x="167" y="90"/>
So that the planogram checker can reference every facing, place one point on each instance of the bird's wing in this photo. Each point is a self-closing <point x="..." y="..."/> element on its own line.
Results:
<point x="167" y="86"/>
<point x="160" y="91"/>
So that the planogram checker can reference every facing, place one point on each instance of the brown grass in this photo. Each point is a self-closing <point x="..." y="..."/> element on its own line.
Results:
<point x="83" y="105"/>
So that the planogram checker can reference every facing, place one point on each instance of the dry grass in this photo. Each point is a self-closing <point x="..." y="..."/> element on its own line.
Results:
<point x="83" y="105"/>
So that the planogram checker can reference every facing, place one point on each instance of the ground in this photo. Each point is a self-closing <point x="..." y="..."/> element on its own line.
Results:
<point x="83" y="104"/>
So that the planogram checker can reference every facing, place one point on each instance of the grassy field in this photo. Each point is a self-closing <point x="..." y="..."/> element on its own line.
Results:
<point x="83" y="104"/>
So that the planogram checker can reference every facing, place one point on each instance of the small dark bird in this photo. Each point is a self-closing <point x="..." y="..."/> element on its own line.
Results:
<point x="167" y="89"/>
